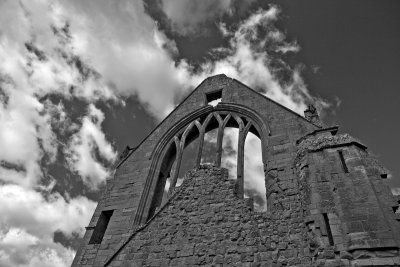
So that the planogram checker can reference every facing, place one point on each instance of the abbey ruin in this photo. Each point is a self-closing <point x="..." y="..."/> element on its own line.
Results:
<point x="328" y="203"/>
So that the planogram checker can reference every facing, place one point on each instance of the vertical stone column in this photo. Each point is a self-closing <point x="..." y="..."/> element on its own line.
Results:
<point x="220" y="138"/>
<point x="240" y="163"/>
<point x="179" y="152"/>
<point x="240" y="156"/>
<point x="200" y="148"/>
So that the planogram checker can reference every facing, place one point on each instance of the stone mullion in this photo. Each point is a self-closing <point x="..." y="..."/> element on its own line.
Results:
<point x="240" y="164"/>
<point x="178" y="161"/>
<point x="200" y="148"/>
<point x="240" y="159"/>
<point x="219" y="145"/>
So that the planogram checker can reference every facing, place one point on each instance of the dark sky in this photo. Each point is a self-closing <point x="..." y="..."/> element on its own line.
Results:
<point x="350" y="51"/>
<point x="356" y="45"/>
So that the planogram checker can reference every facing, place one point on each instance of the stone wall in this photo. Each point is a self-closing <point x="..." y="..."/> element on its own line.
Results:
<point x="328" y="203"/>
<point x="205" y="223"/>
<point x="348" y="205"/>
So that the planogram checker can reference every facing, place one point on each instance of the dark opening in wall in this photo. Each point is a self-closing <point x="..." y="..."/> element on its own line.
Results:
<point x="101" y="227"/>
<point x="345" y="169"/>
<point x="328" y="229"/>
<point x="213" y="98"/>
<point x="395" y="208"/>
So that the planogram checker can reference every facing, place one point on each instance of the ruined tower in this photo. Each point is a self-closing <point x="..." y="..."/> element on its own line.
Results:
<point x="328" y="201"/>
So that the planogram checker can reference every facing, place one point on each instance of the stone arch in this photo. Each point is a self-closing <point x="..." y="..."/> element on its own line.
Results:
<point x="165" y="172"/>
<point x="231" y="111"/>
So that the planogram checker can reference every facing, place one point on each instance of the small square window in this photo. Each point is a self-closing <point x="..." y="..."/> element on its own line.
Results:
<point x="101" y="226"/>
<point x="213" y="98"/>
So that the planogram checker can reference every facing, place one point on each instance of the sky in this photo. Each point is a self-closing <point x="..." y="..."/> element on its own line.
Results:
<point x="80" y="80"/>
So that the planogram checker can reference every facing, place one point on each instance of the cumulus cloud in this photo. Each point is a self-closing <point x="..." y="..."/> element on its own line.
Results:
<point x="229" y="153"/>
<point x="81" y="152"/>
<point x="25" y="135"/>
<point x="133" y="57"/>
<point x="189" y="17"/>
<point x="28" y="223"/>
<point x="39" y="60"/>
<point x="250" y="58"/>
<point x="126" y="47"/>
<point x="254" y="180"/>
<point x="102" y="51"/>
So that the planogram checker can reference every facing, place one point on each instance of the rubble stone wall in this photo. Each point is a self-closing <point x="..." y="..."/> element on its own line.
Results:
<point x="205" y="223"/>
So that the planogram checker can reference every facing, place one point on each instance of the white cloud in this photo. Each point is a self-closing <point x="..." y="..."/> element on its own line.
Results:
<point x="254" y="180"/>
<point x="396" y="191"/>
<point x="28" y="222"/>
<point x="189" y="17"/>
<point x="125" y="46"/>
<point x="99" y="50"/>
<point x="229" y="152"/>
<point x="249" y="61"/>
<point x="18" y="248"/>
<point x="83" y="146"/>
<point x="38" y="59"/>
<point x="25" y="135"/>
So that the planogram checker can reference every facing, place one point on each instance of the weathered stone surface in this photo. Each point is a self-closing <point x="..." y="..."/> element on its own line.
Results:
<point x="328" y="203"/>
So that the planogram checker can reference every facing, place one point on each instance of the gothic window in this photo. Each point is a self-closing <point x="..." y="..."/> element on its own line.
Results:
<point x="219" y="139"/>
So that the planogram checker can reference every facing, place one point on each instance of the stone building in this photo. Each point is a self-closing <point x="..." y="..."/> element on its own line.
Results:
<point x="328" y="201"/>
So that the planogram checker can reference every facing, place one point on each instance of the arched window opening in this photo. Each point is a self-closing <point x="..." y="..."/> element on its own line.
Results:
<point x="254" y="181"/>
<point x="229" y="151"/>
<point x="163" y="178"/>
<point x="188" y="159"/>
<point x="201" y="142"/>
<point x="190" y="149"/>
<point x="167" y="184"/>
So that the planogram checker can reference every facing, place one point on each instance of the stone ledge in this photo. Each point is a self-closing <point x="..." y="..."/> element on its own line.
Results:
<point x="391" y="261"/>
<point x="333" y="130"/>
